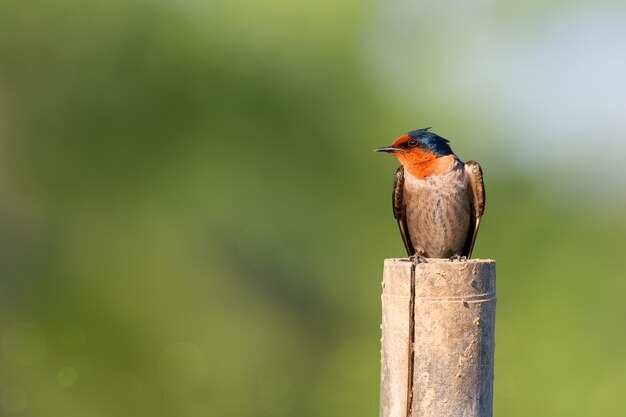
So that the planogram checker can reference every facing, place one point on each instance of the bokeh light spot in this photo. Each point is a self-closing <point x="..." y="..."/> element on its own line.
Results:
<point x="14" y="400"/>
<point x="67" y="377"/>
<point x="24" y="344"/>
<point x="183" y="367"/>
<point x="276" y="392"/>
<point x="356" y="357"/>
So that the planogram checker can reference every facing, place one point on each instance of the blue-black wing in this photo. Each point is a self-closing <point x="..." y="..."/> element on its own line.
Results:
<point x="477" y="203"/>
<point x="399" y="209"/>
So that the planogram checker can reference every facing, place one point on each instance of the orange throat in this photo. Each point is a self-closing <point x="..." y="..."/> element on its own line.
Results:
<point x="426" y="164"/>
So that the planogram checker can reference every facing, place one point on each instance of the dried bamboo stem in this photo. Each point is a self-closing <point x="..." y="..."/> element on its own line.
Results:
<point x="438" y="338"/>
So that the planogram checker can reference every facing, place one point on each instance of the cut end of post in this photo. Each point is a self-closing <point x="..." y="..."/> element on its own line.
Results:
<point x="441" y="277"/>
<point x="441" y="260"/>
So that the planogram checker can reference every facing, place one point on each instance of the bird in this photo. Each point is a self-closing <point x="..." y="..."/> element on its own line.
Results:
<point x="438" y="200"/>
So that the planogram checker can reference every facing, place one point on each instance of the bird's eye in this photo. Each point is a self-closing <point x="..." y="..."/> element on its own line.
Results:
<point x="412" y="142"/>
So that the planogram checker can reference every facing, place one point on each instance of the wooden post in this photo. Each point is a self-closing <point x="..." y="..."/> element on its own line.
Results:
<point x="437" y="338"/>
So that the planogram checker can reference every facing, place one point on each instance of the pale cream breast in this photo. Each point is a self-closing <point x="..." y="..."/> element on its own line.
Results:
<point x="438" y="211"/>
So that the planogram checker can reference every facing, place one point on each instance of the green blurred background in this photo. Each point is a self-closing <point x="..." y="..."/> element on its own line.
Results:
<point x="193" y="222"/>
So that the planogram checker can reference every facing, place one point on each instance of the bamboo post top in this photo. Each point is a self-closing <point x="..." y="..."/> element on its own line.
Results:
<point x="441" y="277"/>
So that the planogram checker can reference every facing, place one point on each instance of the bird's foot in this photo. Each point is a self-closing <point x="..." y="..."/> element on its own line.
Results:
<point x="419" y="258"/>
<point x="458" y="258"/>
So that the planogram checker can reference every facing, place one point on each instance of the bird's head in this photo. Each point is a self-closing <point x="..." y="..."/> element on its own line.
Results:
<point x="418" y="147"/>
<point x="421" y="153"/>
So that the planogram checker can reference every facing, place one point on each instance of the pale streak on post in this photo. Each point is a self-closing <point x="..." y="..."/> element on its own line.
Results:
<point x="454" y="339"/>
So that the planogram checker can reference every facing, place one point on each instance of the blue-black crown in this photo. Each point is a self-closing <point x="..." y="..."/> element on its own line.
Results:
<point x="431" y="141"/>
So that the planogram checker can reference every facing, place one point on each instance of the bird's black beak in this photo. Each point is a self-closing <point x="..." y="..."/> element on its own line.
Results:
<point x="388" y="149"/>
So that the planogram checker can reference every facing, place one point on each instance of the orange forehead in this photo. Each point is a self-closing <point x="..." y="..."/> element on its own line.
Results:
<point x="400" y="140"/>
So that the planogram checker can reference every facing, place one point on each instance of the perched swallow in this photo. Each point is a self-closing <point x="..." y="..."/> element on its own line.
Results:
<point x="437" y="199"/>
